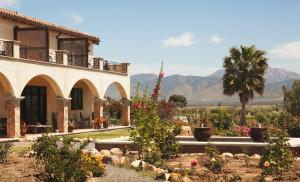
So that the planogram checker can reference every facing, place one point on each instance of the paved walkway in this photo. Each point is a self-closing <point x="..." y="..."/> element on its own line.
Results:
<point x="116" y="174"/>
<point x="33" y="137"/>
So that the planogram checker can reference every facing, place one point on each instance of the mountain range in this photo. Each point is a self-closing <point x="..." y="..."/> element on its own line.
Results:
<point x="208" y="90"/>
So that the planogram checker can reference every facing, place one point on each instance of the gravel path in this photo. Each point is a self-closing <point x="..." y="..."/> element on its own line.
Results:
<point x="116" y="174"/>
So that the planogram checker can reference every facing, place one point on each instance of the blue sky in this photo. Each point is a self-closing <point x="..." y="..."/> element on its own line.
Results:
<point x="190" y="36"/>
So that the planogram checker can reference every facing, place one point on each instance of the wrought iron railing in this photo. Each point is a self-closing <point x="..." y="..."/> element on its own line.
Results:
<point x="7" y="48"/>
<point x="59" y="57"/>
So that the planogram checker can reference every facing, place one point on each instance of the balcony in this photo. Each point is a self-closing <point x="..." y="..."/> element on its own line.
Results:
<point x="11" y="48"/>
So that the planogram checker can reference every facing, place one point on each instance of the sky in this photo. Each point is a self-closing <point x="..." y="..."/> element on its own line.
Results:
<point x="191" y="37"/>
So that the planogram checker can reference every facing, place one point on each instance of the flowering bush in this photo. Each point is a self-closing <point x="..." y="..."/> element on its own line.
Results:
<point x="4" y="151"/>
<point x="243" y="130"/>
<point x="154" y="137"/>
<point x="60" y="160"/>
<point x="277" y="157"/>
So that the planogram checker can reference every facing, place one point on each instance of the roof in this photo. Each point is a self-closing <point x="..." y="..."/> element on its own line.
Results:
<point x="13" y="15"/>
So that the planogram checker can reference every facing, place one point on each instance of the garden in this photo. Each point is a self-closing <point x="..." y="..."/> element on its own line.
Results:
<point x="156" y="125"/>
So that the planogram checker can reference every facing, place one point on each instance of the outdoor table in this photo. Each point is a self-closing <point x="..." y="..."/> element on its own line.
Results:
<point x="39" y="128"/>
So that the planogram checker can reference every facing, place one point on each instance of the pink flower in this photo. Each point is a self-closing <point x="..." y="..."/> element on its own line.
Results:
<point x="193" y="163"/>
<point x="161" y="75"/>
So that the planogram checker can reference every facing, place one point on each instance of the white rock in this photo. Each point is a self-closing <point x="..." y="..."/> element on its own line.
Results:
<point x="268" y="178"/>
<point x="151" y="168"/>
<point x="227" y="154"/>
<point x="116" y="151"/>
<point x="240" y="156"/>
<point x="167" y="176"/>
<point x="122" y="161"/>
<point x="186" y="179"/>
<point x="105" y="152"/>
<point x="115" y="160"/>
<point x="160" y="171"/>
<point x="213" y="159"/>
<point x="186" y="130"/>
<point x="255" y="156"/>
<point x="136" y="164"/>
<point x="297" y="159"/>
<point x="90" y="140"/>
<point x="93" y="152"/>
<point x="91" y="179"/>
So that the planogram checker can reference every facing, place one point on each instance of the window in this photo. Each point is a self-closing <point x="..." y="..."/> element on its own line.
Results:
<point x="77" y="99"/>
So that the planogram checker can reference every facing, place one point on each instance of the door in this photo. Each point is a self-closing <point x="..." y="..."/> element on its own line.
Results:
<point x="34" y="105"/>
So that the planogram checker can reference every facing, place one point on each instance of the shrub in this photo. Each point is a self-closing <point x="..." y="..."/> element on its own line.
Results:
<point x="277" y="157"/>
<point x="220" y="119"/>
<point x="214" y="162"/>
<point x="4" y="151"/>
<point x="62" y="160"/>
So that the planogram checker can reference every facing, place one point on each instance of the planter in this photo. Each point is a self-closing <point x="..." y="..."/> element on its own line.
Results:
<point x="105" y="125"/>
<point x="23" y="132"/>
<point x="70" y="129"/>
<point x="203" y="133"/>
<point x="259" y="134"/>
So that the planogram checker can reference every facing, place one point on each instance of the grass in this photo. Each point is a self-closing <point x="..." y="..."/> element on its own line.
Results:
<point x="103" y="134"/>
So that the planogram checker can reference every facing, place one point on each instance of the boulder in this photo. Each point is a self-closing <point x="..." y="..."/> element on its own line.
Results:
<point x="240" y="156"/>
<point x="91" y="179"/>
<point x="227" y="155"/>
<point x="186" y="130"/>
<point x="93" y="152"/>
<point x="138" y="163"/>
<point x="174" y="177"/>
<point x="151" y="168"/>
<point x="186" y="179"/>
<point x="90" y="139"/>
<point x="166" y="176"/>
<point x="268" y="178"/>
<point x="105" y="152"/>
<point x="297" y="159"/>
<point x="159" y="171"/>
<point x="116" y="151"/>
<point x="255" y="156"/>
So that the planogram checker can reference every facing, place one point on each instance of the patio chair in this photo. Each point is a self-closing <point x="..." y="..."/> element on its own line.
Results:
<point x="84" y="121"/>
<point x="3" y="126"/>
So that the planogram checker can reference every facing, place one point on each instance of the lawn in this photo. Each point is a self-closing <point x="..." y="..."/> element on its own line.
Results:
<point x="103" y="134"/>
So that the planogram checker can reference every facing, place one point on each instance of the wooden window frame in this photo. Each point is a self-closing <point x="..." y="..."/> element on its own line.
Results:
<point x="77" y="105"/>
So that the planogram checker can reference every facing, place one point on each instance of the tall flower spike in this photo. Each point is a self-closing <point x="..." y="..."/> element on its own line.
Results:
<point x="156" y="89"/>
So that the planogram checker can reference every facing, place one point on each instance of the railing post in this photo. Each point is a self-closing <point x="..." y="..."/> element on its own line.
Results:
<point x="16" y="49"/>
<point x="126" y="67"/>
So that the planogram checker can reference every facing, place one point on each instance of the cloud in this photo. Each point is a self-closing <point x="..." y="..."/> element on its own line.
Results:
<point x="290" y="50"/>
<point x="184" y="40"/>
<point x="216" y="39"/>
<point x="76" y="19"/>
<point x="9" y="3"/>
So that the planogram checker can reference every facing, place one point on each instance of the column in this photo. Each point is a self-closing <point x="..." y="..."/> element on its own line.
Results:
<point x="62" y="113"/>
<point x="13" y="116"/>
<point x="98" y="107"/>
<point x="125" y="112"/>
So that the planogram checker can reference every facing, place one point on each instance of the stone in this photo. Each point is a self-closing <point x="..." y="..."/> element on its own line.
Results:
<point x="93" y="152"/>
<point x="116" y="151"/>
<point x="115" y="160"/>
<point x="105" y="152"/>
<point x="297" y="159"/>
<point x="29" y="154"/>
<point x="138" y="163"/>
<point x="227" y="155"/>
<point x="298" y="173"/>
<point x="91" y="179"/>
<point x="174" y="177"/>
<point x="167" y="176"/>
<point x="186" y="179"/>
<point x="186" y="130"/>
<point x="240" y="156"/>
<point x="255" y="156"/>
<point x="160" y="171"/>
<point x="84" y="151"/>
<point x="151" y="168"/>
<point x="90" y="139"/>
<point x="268" y="178"/>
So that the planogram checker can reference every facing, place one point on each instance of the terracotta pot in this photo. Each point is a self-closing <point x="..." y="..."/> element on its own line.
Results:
<point x="105" y="125"/>
<point x="202" y="134"/>
<point x="259" y="134"/>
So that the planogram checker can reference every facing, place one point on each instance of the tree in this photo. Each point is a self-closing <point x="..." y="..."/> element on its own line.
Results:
<point x="244" y="74"/>
<point x="178" y="101"/>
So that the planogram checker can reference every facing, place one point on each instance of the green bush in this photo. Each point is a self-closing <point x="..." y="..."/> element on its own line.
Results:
<point x="277" y="158"/>
<point x="5" y="149"/>
<point x="220" y="119"/>
<point x="63" y="161"/>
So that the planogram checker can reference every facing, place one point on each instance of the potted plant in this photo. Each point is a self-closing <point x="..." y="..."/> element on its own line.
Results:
<point x="259" y="134"/>
<point x="202" y="133"/>
<point x="105" y="123"/>
<point x="98" y="122"/>
<point x="71" y="126"/>
<point x="23" y="129"/>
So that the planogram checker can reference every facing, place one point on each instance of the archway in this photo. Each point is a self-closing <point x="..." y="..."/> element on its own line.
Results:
<point x="39" y="108"/>
<point x="82" y="108"/>
<point x="116" y="106"/>
<point x="6" y="92"/>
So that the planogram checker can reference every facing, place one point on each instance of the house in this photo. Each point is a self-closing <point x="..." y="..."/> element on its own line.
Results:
<point x="49" y="75"/>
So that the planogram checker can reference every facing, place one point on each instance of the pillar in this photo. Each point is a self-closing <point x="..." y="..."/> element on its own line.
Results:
<point x="13" y="116"/>
<point x="98" y="107"/>
<point x="62" y="107"/>
<point x="125" y="112"/>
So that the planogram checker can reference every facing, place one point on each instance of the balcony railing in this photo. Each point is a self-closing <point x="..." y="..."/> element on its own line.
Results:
<point x="62" y="57"/>
<point x="6" y="48"/>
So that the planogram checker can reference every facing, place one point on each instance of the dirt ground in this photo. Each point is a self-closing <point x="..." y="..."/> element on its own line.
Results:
<point x="17" y="169"/>
<point x="249" y="173"/>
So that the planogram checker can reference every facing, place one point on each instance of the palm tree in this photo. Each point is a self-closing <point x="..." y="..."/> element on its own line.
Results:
<point x="244" y="74"/>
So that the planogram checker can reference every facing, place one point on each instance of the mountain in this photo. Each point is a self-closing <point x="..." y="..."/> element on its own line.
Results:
<point x="209" y="89"/>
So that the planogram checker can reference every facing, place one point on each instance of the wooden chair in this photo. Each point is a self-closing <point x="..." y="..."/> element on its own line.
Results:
<point x="84" y="120"/>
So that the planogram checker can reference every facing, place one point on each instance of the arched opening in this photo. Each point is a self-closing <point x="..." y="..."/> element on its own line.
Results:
<point x="39" y="106"/>
<point x="6" y="91"/>
<point x="116" y="105"/>
<point x="81" y="108"/>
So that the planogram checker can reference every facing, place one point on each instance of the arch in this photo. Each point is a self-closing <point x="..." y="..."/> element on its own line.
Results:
<point x="89" y="84"/>
<point x="6" y="85"/>
<point x="57" y="90"/>
<point x="120" y="88"/>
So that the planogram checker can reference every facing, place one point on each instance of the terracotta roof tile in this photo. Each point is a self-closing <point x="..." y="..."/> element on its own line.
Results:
<point x="40" y="23"/>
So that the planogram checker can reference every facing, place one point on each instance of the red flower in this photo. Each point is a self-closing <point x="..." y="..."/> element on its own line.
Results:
<point x="161" y="75"/>
<point x="138" y="105"/>
<point x="193" y="163"/>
